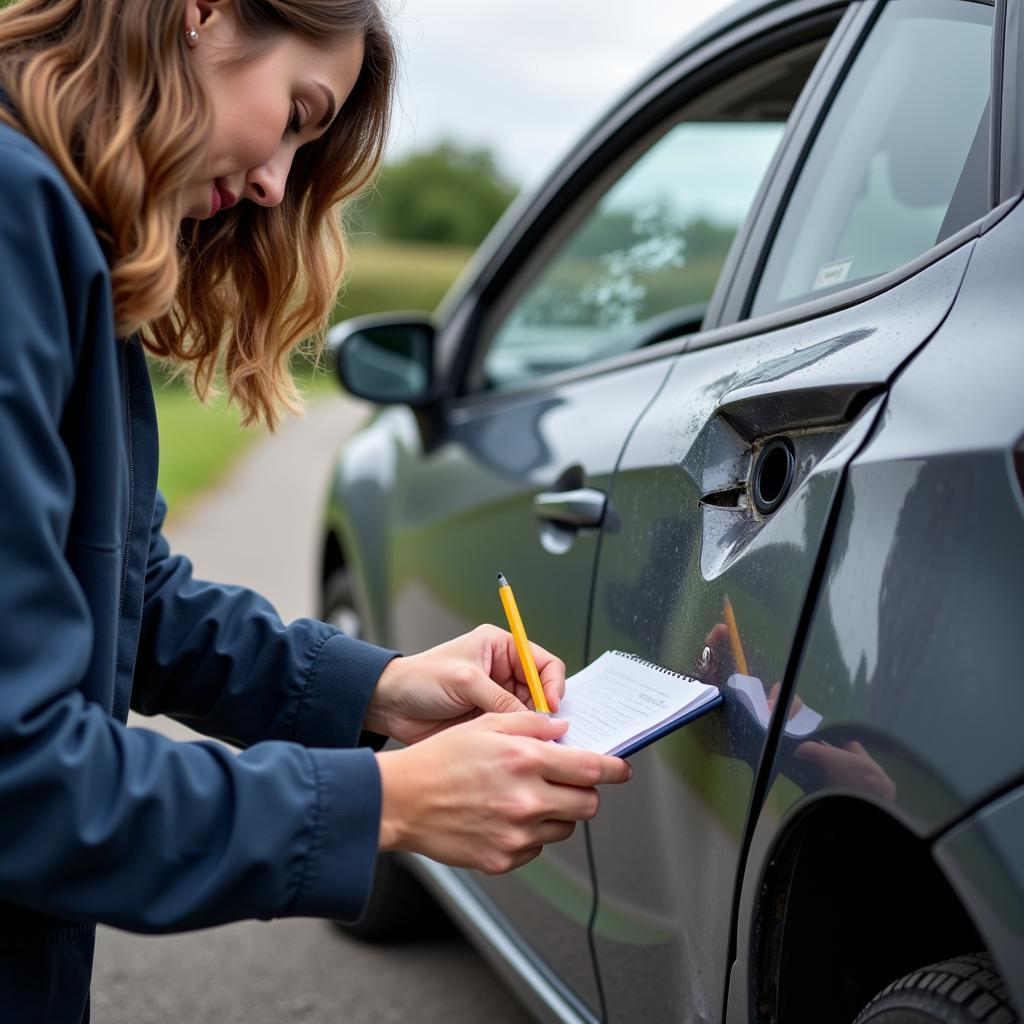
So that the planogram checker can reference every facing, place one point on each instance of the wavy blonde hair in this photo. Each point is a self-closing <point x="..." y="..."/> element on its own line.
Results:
<point x="108" y="90"/>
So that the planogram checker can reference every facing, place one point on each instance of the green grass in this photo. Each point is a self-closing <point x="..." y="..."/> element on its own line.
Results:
<point x="199" y="444"/>
<point x="398" y="276"/>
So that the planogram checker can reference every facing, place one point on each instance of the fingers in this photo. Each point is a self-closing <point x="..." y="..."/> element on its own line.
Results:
<point x="818" y="753"/>
<point x="506" y="668"/>
<point x="794" y="705"/>
<point x="721" y="650"/>
<point x="542" y="834"/>
<point x="487" y="695"/>
<point x="718" y="638"/>
<point x="524" y="858"/>
<point x="522" y="691"/>
<point x="523" y="723"/>
<point x="553" y="831"/>
<point x="583" y="768"/>
<point x="552" y="675"/>
<point x="572" y="803"/>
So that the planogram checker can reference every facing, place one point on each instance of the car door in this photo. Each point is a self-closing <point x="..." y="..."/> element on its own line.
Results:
<point x="558" y="367"/>
<point x="725" y="494"/>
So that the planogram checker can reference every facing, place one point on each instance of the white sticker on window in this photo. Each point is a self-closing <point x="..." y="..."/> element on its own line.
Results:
<point x="833" y="273"/>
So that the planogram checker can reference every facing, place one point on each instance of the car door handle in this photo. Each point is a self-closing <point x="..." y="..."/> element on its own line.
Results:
<point x="571" y="509"/>
<point x="774" y="408"/>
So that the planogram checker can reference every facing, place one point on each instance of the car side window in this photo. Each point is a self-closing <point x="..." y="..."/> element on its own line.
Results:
<point x="902" y="159"/>
<point x="643" y="251"/>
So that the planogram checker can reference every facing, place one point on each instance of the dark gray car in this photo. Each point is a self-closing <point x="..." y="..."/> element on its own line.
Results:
<point x="759" y="340"/>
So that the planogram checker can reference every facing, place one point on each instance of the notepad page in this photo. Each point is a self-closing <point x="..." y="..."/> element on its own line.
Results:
<point x="616" y="700"/>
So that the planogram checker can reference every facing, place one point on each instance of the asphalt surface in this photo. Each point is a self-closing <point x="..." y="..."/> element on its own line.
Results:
<point x="260" y="528"/>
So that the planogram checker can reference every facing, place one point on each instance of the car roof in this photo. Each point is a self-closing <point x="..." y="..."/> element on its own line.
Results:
<point x="717" y="25"/>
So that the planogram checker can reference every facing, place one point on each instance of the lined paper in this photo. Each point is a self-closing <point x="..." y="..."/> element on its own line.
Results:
<point x="618" y="700"/>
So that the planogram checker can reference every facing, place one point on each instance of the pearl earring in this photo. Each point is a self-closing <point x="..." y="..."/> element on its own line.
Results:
<point x="192" y="35"/>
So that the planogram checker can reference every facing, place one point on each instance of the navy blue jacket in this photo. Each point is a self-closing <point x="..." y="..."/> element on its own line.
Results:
<point x="100" y="823"/>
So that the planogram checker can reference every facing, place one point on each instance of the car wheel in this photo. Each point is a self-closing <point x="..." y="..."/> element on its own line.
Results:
<point x="966" y="990"/>
<point x="338" y="605"/>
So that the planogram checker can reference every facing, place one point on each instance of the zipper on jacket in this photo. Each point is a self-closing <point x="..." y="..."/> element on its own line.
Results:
<point x="131" y="505"/>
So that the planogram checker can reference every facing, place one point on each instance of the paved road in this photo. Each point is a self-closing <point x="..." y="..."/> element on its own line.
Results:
<point x="260" y="529"/>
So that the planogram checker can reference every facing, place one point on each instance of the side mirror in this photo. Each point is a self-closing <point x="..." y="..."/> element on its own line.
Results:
<point x="388" y="359"/>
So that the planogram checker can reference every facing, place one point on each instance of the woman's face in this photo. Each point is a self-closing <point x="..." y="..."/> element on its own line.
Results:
<point x="264" y="107"/>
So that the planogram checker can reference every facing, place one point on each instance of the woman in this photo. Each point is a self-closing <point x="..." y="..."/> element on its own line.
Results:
<point x="170" y="172"/>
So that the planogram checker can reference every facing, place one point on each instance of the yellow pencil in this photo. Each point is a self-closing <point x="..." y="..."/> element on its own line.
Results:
<point x="515" y="623"/>
<point x="734" y="639"/>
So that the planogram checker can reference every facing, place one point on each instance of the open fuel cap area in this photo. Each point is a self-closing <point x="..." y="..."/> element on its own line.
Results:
<point x="772" y="475"/>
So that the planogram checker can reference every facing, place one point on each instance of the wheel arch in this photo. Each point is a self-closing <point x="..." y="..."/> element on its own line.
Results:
<point x="849" y="899"/>
<point x="355" y="528"/>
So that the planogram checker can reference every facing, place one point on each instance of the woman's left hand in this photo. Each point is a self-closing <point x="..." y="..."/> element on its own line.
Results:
<point x="422" y="694"/>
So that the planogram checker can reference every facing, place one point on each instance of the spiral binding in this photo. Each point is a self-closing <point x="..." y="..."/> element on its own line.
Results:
<point x="650" y="664"/>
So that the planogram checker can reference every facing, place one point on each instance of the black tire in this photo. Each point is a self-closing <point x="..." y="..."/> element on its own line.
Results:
<point x="339" y="607"/>
<point x="965" y="990"/>
<point x="399" y="908"/>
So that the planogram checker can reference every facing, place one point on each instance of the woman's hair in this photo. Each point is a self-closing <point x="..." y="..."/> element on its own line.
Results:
<point x="108" y="89"/>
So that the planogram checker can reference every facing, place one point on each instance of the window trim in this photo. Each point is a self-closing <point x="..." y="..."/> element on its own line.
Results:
<point x="736" y="313"/>
<point x="998" y="101"/>
<point x="738" y="331"/>
<point x="1010" y="180"/>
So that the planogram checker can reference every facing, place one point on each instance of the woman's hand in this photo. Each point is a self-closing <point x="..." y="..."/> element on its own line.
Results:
<point x="488" y="794"/>
<point x="479" y="672"/>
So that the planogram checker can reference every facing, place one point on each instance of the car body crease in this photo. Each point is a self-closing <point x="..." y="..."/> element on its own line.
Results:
<point x="588" y="838"/>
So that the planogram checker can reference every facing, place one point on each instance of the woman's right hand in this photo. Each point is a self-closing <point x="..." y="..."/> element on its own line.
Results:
<point x="490" y="793"/>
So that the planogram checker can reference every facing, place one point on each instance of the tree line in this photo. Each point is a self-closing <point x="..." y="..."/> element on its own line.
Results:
<point x="447" y="194"/>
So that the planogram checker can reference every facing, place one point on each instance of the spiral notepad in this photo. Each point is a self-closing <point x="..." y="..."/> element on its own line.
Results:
<point x="620" y="703"/>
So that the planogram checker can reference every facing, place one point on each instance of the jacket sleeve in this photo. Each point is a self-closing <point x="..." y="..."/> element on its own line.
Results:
<point x="101" y="822"/>
<point x="220" y="659"/>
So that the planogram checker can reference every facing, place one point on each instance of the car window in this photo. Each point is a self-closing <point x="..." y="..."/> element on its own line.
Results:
<point x="645" y="248"/>
<point x="901" y="160"/>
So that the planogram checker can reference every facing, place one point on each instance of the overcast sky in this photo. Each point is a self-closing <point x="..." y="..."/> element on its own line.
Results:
<point x="526" y="77"/>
